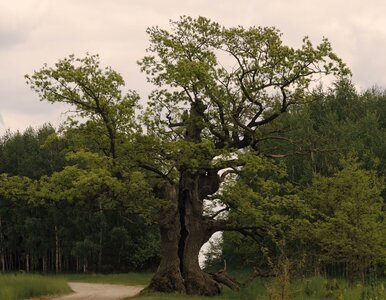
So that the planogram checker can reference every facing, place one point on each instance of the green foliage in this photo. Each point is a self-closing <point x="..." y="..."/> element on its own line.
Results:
<point x="95" y="92"/>
<point x="339" y="220"/>
<point x="351" y="226"/>
<point x="343" y="232"/>
<point x="71" y="200"/>
<point x="28" y="154"/>
<point x="235" y="75"/>
<point x="263" y="198"/>
<point x="85" y="250"/>
<point x="100" y="144"/>
<point x="96" y="95"/>
<point x="334" y="124"/>
<point x="15" y="187"/>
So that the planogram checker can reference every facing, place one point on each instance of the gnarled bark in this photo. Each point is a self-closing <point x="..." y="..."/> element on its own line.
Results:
<point x="183" y="233"/>
<point x="186" y="229"/>
<point x="168" y="277"/>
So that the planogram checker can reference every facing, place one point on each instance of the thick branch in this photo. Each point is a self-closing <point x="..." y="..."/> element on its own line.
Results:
<point x="229" y="225"/>
<point x="156" y="171"/>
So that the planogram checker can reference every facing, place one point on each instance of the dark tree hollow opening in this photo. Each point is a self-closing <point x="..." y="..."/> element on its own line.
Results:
<point x="183" y="232"/>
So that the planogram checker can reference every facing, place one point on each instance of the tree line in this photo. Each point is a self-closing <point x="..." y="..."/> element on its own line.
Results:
<point x="334" y="225"/>
<point x="233" y="138"/>
<point x="62" y="236"/>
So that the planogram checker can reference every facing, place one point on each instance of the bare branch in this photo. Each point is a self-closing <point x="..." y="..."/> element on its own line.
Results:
<point x="227" y="208"/>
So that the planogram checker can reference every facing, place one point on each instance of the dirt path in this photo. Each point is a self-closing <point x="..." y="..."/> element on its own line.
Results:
<point x="96" y="291"/>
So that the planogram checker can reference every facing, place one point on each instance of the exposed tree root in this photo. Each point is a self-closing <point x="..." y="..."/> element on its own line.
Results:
<point x="224" y="278"/>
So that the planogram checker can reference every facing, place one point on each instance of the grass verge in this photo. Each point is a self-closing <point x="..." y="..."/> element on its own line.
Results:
<point x="24" y="286"/>
<point x="314" y="288"/>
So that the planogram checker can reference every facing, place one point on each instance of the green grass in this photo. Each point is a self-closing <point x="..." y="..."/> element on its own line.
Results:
<point x="23" y="286"/>
<point x="315" y="288"/>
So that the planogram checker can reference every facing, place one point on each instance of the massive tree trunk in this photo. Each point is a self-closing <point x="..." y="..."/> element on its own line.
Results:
<point x="194" y="234"/>
<point x="183" y="233"/>
<point x="185" y="229"/>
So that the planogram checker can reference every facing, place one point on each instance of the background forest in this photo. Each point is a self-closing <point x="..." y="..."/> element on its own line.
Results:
<point x="320" y="207"/>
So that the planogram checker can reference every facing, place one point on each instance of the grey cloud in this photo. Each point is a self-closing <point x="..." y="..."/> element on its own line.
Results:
<point x="10" y="37"/>
<point x="33" y="32"/>
<point x="18" y="19"/>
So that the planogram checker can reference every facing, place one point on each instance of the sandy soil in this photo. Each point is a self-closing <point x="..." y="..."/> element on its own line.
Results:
<point x="95" y="291"/>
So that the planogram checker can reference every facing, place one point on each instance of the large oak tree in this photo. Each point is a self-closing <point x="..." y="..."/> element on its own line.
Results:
<point x="217" y="91"/>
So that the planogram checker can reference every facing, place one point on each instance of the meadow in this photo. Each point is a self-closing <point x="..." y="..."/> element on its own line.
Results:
<point x="24" y="286"/>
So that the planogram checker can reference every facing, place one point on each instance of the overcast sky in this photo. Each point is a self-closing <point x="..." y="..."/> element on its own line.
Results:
<point x="34" y="32"/>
